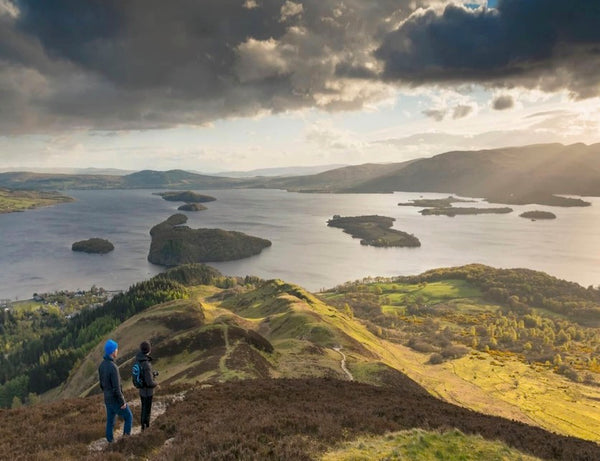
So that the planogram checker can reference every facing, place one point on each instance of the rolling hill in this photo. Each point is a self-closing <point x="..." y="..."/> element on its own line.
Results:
<point x="263" y="369"/>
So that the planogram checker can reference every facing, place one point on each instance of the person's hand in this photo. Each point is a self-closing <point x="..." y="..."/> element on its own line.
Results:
<point x="124" y="406"/>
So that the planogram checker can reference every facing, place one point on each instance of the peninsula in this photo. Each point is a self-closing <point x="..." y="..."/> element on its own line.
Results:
<point x="93" y="245"/>
<point x="173" y="244"/>
<point x="374" y="230"/>
<point x="451" y="211"/>
<point x="21" y="200"/>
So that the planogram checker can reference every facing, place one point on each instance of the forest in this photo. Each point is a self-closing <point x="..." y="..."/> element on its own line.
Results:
<point x="40" y="347"/>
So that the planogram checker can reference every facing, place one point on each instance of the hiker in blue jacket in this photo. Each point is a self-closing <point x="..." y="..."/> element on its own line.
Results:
<point x="147" y="391"/>
<point x="110" y="383"/>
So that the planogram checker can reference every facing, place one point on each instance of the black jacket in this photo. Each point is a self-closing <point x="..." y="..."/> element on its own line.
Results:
<point x="110" y="382"/>
<point x="146" y="370"/>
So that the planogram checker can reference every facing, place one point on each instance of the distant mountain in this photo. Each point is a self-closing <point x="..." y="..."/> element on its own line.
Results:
<point x="519" y="175"/>
<point x="173" y="179"/>
<point x="91" y="170"/>
<point x="504" y="175"/>
<point x="338" y="180"/>
<point x="284" y="171"/>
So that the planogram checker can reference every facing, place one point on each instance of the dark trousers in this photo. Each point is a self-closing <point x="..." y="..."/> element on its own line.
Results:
<point x="146" y="410"/>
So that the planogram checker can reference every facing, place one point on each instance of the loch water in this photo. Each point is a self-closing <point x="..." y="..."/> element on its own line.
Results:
<point x="36" y="256"/>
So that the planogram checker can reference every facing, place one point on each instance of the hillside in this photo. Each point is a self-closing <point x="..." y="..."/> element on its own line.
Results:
<point x="259" y="369"/>
<point x="504" y="175"/>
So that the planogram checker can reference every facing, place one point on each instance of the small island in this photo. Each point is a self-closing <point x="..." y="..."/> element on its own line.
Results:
<point x="534" y="215"/>
<point x="192" y="207"/>
<point x="435" y="202"/>
<point x="21" y="200"/>
<point x="187" y="196"/>
<point x="93" y="245"/>
<point x="174" y="244"/>
<point x="451" y="211"/>
<point x="374" y="230"/>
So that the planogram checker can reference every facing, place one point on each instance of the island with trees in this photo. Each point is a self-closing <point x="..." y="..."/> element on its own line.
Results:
<point x="374" y="230"/>
<point x="21" y="200"/>
<point x="94" y="245"/>
<point x="537" y="214"/>
<point x="173" y="244"/>
<point x="192" y="207"/>
<point x="187" y="196"/>
<point x="435" y="202"/>
<point x="451" y="211"/>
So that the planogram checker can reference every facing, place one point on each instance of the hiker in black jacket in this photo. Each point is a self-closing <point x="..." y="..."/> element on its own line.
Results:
<point x="110" y="383"/>
<point x="147" y="391"/>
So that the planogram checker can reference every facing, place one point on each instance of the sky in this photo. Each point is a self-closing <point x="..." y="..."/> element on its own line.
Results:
<point x="223" y="85"/>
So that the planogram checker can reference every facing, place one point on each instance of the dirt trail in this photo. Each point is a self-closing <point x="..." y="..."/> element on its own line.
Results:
<point x="158" y="408"/>
<point x="343" y="364"/>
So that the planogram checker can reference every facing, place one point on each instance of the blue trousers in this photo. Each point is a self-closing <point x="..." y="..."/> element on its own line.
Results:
<point x="112" y="411"/>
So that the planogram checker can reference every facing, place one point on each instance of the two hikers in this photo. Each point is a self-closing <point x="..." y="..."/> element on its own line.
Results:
<point x="147" y="382"/>
<point x="110" y="383"/>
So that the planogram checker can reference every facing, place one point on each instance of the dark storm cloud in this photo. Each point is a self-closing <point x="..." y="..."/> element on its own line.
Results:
<point x="503" y="102"/>
<point x="152" y="63"/>
<point x="550" y="44"/>
<point x="114" y="64"/>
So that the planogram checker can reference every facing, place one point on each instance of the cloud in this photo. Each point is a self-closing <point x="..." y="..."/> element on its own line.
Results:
<point x="290" y="9"/>
<point x="461" y="111"/>
<point x="437" y="114"/>
<point x="143" y="64"/>
<point x="546" y="44"/>
<point x="503" y="102"/>
<point x="149" y="63"/>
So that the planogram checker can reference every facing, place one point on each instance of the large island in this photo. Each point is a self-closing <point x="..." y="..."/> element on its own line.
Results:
<point x="174" y="244"/>
<point x="374" y="230"/>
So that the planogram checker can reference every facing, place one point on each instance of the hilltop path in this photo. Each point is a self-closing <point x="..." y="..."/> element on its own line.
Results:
<point x="343" y="363"/>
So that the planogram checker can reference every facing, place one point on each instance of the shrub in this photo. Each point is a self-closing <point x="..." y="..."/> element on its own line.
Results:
<point x="436" y="359"/>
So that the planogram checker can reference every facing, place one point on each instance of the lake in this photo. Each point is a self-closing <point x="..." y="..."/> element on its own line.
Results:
<point x="36" y="256"/>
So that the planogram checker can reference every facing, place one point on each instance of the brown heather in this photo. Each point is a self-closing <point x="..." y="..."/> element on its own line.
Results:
<point x="266" y="419"/>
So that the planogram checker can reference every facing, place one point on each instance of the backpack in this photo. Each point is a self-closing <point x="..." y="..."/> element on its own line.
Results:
<point x="137" y="375"/>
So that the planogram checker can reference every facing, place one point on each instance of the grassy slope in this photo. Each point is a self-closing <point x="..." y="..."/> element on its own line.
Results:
<point x="498" y="384"/>
<point x="304" y="331"/>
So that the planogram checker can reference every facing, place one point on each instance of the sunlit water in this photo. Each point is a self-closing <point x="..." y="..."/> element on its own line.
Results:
<point x="36" y="256"/>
